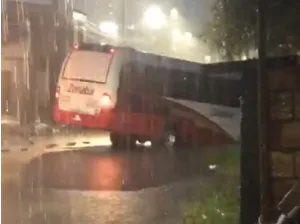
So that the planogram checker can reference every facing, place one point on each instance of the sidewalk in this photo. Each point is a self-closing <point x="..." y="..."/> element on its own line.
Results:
<point x="14" y="138"/>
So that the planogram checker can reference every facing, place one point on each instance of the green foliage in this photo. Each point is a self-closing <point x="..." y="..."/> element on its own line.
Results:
<point x="233" y="30"/>
<point x="220" y="198"/>
<point x="226" y="159"/>
<point x="219" y="205"/>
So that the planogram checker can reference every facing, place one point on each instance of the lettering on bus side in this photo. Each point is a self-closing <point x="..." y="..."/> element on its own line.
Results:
<point x="80" y="90"/>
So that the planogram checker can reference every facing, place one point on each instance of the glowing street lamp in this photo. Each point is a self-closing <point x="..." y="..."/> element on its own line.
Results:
<point x="154" y="17"/>
<point x="79" y="16"/>
<point x="109" y="27"/>
<point x="188" y="36"/>
<point x="207" y="58"/>
<point x="176" y="34"/>
<point x="131" y="27"/>
<point x="174" y="14"/>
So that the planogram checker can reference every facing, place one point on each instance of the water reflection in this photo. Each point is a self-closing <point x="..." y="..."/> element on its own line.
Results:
<point x="95" y="169"/>
<point x="106" y="173"/>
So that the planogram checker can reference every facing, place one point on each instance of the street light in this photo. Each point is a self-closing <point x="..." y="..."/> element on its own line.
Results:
<point x="131" y="27"/>
<point x="79" y="17"/>
<point x="109" y="27"/>
<point x="174" y="14"/>
<point x="188" y="36"/>
<point x="154" y="17"/>
<point x="176" y="34"/>
<point x="207" y="58"/>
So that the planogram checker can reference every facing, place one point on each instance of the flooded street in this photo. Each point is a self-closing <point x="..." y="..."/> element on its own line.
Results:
<point x="94" y="184"/>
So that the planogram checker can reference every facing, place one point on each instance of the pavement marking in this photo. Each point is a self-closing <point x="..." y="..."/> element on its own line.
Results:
<point x="71" y="144"/>
<point x="45" y="147"/>
<point x="51" y="145"/>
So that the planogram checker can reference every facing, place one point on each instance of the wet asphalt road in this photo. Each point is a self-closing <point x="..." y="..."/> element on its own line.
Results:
<point x="98" y="185"/>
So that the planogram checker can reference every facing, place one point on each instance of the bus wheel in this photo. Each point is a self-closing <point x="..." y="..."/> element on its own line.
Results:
<point x="120" y="141"/>
<point x="129" y="142"/>
<point x="115" y="140"/>
<point x="168" y="140"/>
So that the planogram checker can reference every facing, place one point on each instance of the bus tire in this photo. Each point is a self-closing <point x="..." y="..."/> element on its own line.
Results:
<point x="167" y="140"/>
<point x="129" y="142"/>
<point x="120" y="141"/>
<point x="115" y="140"/>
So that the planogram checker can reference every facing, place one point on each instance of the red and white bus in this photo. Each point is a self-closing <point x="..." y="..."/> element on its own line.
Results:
<point x="133" y="95"/>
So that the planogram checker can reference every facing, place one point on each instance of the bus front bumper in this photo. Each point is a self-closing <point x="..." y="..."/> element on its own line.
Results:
<point x="101" y="120"/>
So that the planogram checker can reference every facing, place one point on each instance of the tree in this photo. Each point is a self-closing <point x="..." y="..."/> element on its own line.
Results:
<point x="233" y="29"/>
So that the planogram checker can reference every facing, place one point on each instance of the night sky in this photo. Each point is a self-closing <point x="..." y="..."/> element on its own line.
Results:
<point x="197" y="12"/>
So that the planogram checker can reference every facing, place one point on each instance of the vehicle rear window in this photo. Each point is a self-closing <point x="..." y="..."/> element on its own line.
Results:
<point x="88" y="66"/>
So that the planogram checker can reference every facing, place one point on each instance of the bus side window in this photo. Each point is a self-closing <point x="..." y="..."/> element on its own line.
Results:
<point x="149" y="77"/>
<point x="191" y="85"/>
<point x="172" y="83"/>
<point x="136" y="102"/>
<point x="126" y="77"/>
<point x="163" y="81"/>
<point x="178" y="84"/>
<point x="136" y="83"/>
<point x="123" y="88"/>
<point x="159" y="79"/>
<point x="138" y="76"/>
<point x="158" y="107"/>
<point x="151" y="105"/>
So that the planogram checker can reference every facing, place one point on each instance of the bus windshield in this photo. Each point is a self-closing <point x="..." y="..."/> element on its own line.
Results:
<point x="88" y="66"/>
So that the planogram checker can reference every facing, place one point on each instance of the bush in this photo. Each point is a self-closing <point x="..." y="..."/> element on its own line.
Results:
<point x="220" y="203"/>
<point x="227" y="160"/>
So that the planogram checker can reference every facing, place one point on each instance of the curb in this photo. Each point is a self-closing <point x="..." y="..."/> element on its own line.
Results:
<point x="49" y="132"/>
<point x="45" y="147"/>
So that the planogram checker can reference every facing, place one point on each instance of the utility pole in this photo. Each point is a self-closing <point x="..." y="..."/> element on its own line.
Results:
<point x="123" y="21"/>
<point x="263" y="114"/>
<point x="254" y="129"/>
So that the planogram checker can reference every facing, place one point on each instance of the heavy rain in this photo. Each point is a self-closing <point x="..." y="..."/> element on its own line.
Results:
<point x="146" y="112"/>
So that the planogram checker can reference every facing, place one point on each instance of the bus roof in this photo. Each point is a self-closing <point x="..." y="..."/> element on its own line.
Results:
<point x="151" y="59"/>
<point x="147" y="58"/>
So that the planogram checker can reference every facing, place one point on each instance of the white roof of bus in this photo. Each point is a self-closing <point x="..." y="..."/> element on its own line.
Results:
<point x="164" y="62"/>
<point x="230" y="124"/>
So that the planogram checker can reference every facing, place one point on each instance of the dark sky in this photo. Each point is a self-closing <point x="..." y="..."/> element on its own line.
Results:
<point x="197" y="12"/>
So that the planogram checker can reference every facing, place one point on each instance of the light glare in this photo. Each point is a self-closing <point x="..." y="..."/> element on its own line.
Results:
<point x="109" y="27"/>
<point x="154" y="17"/>
<point x="79" y="17"/>
<point x="174" y="14"/>
<point x="188" y="35"/>
<point x="176" y="34"/>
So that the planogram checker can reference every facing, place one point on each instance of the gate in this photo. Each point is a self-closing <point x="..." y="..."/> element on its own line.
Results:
<point x="264" y="186"/>
<point x="280" y="170"/>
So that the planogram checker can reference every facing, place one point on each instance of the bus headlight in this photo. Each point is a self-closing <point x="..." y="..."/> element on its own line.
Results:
<point x="105" y="100"/>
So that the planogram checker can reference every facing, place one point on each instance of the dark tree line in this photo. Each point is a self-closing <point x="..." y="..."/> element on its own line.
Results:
<point x="233" y="29"/>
